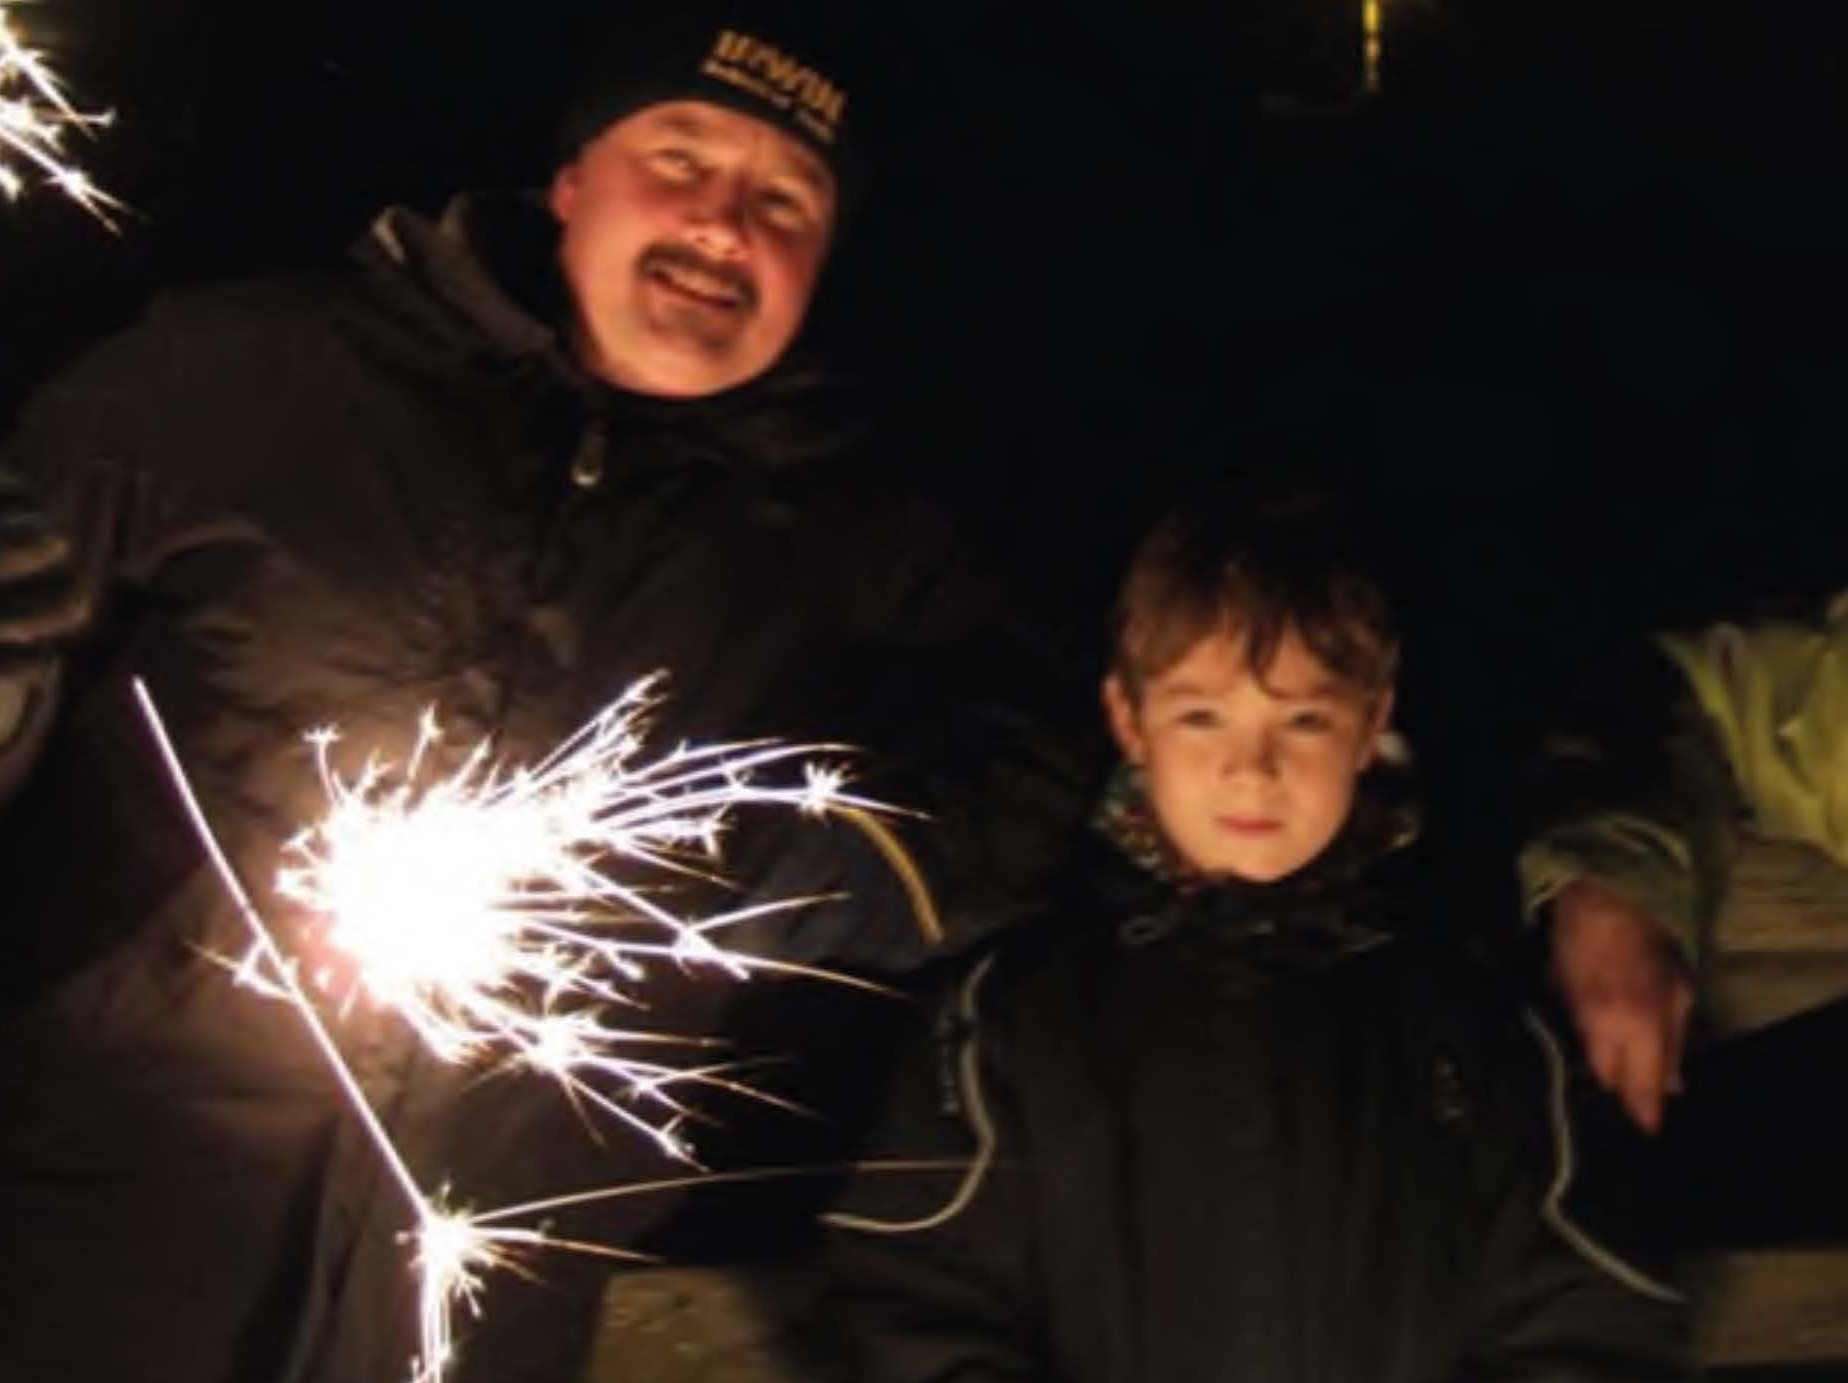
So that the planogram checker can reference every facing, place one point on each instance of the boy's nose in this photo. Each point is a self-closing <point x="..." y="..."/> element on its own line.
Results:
<point x="1251" y="754"/>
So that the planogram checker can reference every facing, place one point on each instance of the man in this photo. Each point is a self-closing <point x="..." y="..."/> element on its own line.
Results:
<point x="508" y="464"/>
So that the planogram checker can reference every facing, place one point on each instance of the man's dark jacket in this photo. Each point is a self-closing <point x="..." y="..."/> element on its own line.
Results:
<point x="1254" y="1133"/>
<point x="343" y="499"/>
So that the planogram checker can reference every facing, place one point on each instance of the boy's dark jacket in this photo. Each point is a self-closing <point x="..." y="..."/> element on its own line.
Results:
<point x="1251" y="1133"/>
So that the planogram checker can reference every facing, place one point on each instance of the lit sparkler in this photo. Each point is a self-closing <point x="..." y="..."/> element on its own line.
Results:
<point x="470" y="904"/>
<point x="35" y="118"/>
<point x="497" y="912"/>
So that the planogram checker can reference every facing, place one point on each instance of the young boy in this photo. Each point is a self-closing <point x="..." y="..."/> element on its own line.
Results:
<point x="1223" y="1115"/>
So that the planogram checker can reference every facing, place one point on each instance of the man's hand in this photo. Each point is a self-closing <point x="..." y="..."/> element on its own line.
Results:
<point x="1627" y="992"/>
<point x="43" y="603"/>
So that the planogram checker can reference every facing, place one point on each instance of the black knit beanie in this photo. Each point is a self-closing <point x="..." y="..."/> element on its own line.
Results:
<point x="756" y="59"/>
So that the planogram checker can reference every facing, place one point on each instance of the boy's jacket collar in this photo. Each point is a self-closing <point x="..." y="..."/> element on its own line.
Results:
<point x="1313" y="914"/>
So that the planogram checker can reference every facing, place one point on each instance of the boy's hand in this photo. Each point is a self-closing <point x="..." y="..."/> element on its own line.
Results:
<point x="1627" y="992"/>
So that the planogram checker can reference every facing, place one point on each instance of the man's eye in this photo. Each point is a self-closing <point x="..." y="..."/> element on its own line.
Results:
<point x="784" y="210"/>
<point x="676" y="165"/>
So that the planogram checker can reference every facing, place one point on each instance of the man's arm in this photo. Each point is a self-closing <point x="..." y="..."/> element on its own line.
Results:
<point x="1630" y="811"/>
<point x="81" y="476"/>
<point x="1632" y="788"/>
<point x="48" y="601"/>
<point x="1634" y="804"/>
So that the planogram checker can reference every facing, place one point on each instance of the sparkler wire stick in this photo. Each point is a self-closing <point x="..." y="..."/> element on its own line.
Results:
<point x="285" y="971"/>
<point x="452" y="1248"/>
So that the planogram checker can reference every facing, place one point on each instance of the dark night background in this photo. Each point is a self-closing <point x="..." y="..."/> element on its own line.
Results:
<point x="1563" y="301"/>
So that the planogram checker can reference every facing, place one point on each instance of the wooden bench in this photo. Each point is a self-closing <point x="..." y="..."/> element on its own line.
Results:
<point x="1780" y="945"/>
<point x="1779" y="948"/>
<point x="706" y="1325"/>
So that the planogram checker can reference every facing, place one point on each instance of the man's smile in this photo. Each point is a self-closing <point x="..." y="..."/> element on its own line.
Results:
<point x="689" y="277"/>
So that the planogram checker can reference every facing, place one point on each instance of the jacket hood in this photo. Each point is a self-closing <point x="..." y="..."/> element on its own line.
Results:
<point x="484" y="275"/>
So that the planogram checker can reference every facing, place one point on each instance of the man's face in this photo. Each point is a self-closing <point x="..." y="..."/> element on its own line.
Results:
<point x="692" y="239"/>
<point x="1249" y="777"/>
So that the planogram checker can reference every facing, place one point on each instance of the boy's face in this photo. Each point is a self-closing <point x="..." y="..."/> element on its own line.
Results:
<point x="1249" y="777"/>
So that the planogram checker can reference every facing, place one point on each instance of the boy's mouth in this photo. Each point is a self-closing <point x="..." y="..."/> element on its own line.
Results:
<point x="1248" y="825"/>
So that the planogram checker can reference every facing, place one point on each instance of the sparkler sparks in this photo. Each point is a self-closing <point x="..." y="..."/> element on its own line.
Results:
<point x="35" y="118"/>
<point x="470" y="904"/>
<point x="497" y="910"/>
<point x="454" y="1253"/>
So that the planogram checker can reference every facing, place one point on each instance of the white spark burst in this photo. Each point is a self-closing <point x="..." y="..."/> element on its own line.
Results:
<point x="35" y="119"/>
<point x="498" y="911"/>
<point x="482" y="906"/>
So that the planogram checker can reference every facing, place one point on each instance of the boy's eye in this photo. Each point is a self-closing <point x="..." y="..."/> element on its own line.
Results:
<point x="1198" y="718"/>
<point x="1312" y="722"/>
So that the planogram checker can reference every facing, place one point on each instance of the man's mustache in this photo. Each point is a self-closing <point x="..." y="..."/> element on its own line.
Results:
<point x="672" y="255"/>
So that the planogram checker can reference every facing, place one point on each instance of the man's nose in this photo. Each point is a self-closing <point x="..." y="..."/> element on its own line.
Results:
<point x="719" y="225"/>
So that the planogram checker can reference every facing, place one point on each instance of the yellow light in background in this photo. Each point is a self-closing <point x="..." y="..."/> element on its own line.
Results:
<point x="1372" y="43"/>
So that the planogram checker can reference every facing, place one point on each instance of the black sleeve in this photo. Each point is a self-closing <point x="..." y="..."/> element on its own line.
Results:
<point x="63" y="489"/>
<point x="1632" y="788"/>
<point x="966" y="721"/>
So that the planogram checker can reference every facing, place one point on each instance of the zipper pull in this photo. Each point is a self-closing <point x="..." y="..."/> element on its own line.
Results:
<point x="587" y="461"/>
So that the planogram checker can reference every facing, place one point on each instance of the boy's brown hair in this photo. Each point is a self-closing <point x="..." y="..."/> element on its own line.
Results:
<point x="1255" y="569"/>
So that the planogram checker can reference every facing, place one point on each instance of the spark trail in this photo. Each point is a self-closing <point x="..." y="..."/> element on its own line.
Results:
<point x="36" y="119"/>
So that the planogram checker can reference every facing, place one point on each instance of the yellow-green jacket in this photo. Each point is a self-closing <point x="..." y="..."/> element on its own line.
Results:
<point x="1646" y="781"/>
